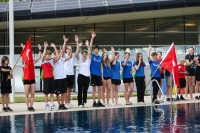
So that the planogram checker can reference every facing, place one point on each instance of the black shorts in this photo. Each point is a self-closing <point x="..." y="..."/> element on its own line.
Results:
<point x="182" y="82"/>
<point x="162" y="76"/>
<point x="5" y="90"/>
<point x="191" y="71"/>
<point x="127" y="80"/>
<point x="116" y="81"/>
<point x="106" y="78"/>
<point x="197" y="76"/>
<point x="29" y="82"/>
<point x="70" y="81"/>
<point x="61" y="86"/>
<point x="49" y="85"/>
<point x="96" y="80"/>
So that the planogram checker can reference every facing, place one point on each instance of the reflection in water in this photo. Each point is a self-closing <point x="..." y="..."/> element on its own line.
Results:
<point x="180" y="118"/>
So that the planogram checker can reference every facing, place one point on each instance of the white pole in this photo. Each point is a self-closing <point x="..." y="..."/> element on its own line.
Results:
<point x="11" y="46"/>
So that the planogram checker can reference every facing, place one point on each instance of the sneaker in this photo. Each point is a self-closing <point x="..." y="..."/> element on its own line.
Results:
<point x="177" y="98"/>
<point x="32" y="109"/>
<point x="85" y="105"/>
<point x="70" y="105"/>
<point x="168" y="99"/>
<point x="100" y="104"/>
<point x="62" y="107"/>
<point x="5" y="109"/>
<point x="113" y="104"/>
<point x="29" y="109"/>
<point x="9" y="109"/>
<point x="156" y="102"/>
<point x="197" y="97"/>
<point x="109" y="104"/>
<point x="67" y="106"/>
<point x="182" y="98"/>
<point x="130" y="103"/>
<point x="143" y="103"/>
<point x="160" y="100"/>
<point x="118" y="104"/>
<point x="95" y="104"/>
<point x="53" y="107"/>
<point x="47" y="107"/>
<point x="80" y="106"/>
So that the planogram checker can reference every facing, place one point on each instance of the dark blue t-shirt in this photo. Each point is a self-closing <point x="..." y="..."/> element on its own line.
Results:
<point x="115" y="71"/>
<point x="127" y="70"/>
<point x="140" y="71"/>
<point x="106" y="71"/>
<point x="197" y="67"/>
<point x="95" y="66"/>
<point x="153" y="66"/>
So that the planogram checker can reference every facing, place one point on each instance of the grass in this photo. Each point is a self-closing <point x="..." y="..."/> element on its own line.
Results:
<point x="21" y="99"/>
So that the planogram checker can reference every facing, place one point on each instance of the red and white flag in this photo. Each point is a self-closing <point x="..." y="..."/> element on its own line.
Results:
<point x="26" y="55"/>
<point x="169" y="62"/>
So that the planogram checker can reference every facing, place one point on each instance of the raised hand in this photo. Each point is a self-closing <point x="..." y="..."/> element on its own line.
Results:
<point x="65" y="39"/>
<point x="53" y="45"/>
<point x="112" y="49"/>
<point x="150" y="47"/>
<point x="104" y="50"/>
<point x="93" y="34"/>
<point x="76" y="38"/>
<point x="87" y="43"/>
<point x="80" y="44"/>
<point x="39" y="47"/>
<point x="45" y="44"/>
<point x="22" y="45"/>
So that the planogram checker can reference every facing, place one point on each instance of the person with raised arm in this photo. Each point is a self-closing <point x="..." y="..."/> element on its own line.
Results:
<point x="60" y="76"/>
<point x="83" y="79"/>
<point x="96" y="70"/>
<point x="107" y="77"/>
<point x="115" y="76"/>
<point x="29" y="84"/>
<point x="127" y="78"/>
<point x="48" y="77"/>
<point x="155" y="72"/>
<point x="69" y="71"/>
<point x="139" y="66"/>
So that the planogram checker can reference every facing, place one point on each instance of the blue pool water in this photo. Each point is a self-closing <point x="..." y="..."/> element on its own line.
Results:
<point x="181" y="118"/>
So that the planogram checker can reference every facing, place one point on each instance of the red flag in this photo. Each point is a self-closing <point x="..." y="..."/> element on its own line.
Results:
<point x="29" y="73"/>
<point x="169" y="62"/>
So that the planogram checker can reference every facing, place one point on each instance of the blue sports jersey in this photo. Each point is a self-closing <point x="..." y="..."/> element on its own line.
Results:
<point x="153" y="66"/>
<point x="140" y="71"/>
<point x="106" y="71"/>
<point x="127" y="70"/>
<point x="115" y="71"/>
<point x="95" y="66"/>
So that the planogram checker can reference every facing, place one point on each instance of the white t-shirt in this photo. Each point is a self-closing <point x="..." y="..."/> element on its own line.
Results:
<point x="59" y="72"/>
<point x="69" y="65"/>
<point x="84" y="67"/>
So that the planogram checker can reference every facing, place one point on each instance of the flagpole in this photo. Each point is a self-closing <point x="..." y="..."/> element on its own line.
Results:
<point x="151" y="77"/>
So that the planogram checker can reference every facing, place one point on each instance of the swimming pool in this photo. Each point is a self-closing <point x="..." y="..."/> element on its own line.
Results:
<point x="179" y="118"/>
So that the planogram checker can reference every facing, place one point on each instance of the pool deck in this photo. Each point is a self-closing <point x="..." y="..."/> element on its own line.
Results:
<point x="20" y="108"/>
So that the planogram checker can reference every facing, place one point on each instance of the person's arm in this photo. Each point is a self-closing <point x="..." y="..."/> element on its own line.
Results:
<point x="92" y="39"/>
<point x="102" y="72"/>
<point x="69" y="57"/>
<point x="6" y="70"/>
<point x="124" y="63"/>
<point x="188" y="61"/>
<point x="113" y="54"/>
<point x="22" y="45"/>
<point x="149" y="50"/>
<point x="64" y="44"/>
<point x="89" y="49"/>
<point x="78" y="45"/>
<point x="39" y="54"/>
<point x="179" y="71"/>
<point x="44" y="52"/>
<point x="57" y="56"/>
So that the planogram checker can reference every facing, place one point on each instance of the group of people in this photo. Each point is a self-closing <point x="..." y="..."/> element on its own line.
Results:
<point x="102" y="73"/>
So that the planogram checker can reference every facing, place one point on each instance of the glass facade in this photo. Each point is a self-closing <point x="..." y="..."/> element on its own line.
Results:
<point x="131" y="35"/>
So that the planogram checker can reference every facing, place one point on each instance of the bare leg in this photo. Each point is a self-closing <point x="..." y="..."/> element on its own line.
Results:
<point x="7" y="99"/>
<point x="68" y="94"/>
<point x="125" y="91"/>
<point x="46" y="98"/>
<point x="112" y="93"/>
<point x="131" y="90"/>
<point x="100" y="88"/>
<point x="103" y="90"/>
<point x="27" y="90"/>
<point x="58" y="98"/>
<point x="108" y="84"/>
<point x="116" y="93"/>
<point x="2" y="100"/>
<point x="62" y="98"/>
<point x="32" y="91"/>
<point x="94" y="93"/>
<point x="187" y="78"/>
<point x="191" y="86"/>
<point x="197" y="88"/>
<point x="52" y="97"/>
